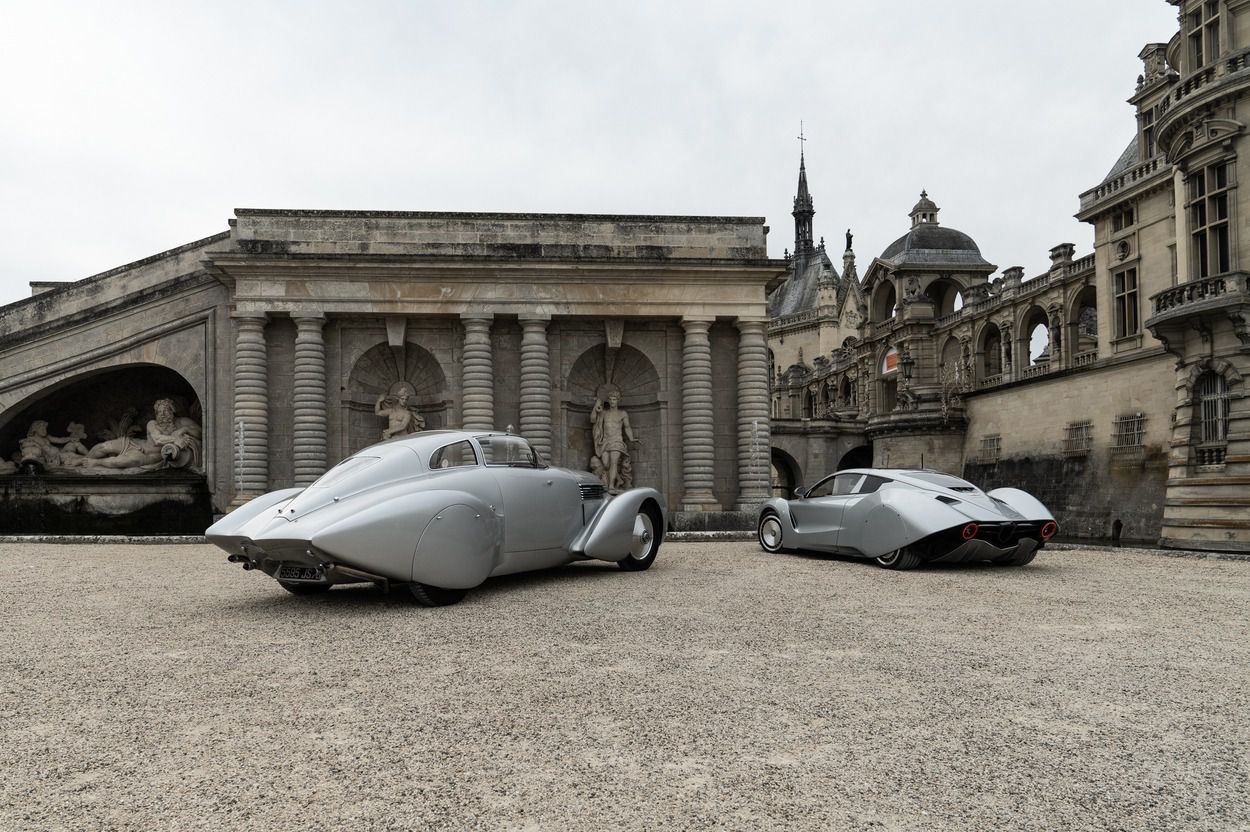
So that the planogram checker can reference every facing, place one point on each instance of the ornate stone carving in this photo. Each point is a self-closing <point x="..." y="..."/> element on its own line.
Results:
<point x="171" y="441"/>
<point x="612" y="434"/>
<point x="401" y="417"/>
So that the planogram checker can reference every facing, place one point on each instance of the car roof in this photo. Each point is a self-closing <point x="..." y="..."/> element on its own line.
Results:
<point x="919" y="477"/>
<point x="429" y="440"/>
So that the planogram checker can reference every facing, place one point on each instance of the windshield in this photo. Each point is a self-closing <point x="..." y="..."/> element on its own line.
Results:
<point x="508" y="450"/>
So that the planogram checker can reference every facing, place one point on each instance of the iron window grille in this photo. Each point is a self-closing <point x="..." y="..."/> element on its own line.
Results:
<point x="991" y="448"/>
<point x="1130" y="432"/>
<point x="1078" y="438"/>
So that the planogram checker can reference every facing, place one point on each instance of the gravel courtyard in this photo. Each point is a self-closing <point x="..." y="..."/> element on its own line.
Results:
<point x="158" y="687"/>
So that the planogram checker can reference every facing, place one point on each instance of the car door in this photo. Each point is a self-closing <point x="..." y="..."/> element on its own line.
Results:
<point x="818" y="514"/>
<point x="854" y="517"/>
<point x="541" y="506"/>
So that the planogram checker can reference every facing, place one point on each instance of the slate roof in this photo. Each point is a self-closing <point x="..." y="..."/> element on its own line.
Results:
<point x="931" y="243"/>
<point x="798" y="292"/>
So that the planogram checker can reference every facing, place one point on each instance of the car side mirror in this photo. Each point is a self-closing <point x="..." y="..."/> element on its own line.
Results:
<point x="800" y="492"/>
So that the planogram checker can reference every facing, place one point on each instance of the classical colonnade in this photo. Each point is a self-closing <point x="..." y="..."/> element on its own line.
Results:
<point x="251" y="402"/>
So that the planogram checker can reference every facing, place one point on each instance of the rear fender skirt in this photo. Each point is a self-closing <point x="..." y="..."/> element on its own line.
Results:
<point x="459" y="548"/>
<point x="228" y="532"/>
<point x="608" y="534"/>
<point x="383" y="537"/>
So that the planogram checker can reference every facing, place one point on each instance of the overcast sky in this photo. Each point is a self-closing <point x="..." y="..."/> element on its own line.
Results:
<point x="130" y="128"/>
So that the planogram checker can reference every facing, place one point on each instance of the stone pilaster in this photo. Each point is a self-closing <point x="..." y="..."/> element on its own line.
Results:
<point x="478" y="373"/>
<point x="754" y="436"/>
<point x="536" y="384"/>
<point x="309" y="399"/>
<point x="250" y="427"/>
<point x="698" y="444"/>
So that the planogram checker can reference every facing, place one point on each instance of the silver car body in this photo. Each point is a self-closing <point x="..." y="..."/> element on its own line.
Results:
<point x="873" y="513"/>
<point x="445" y="509"/>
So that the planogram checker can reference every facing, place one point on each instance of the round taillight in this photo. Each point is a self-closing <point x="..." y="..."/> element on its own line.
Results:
<point x="1049" y="529"/>
<point x="970" y="531"/>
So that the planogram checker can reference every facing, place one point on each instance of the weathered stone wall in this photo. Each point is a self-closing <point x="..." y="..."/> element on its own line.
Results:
<point x="1087" y="493"/>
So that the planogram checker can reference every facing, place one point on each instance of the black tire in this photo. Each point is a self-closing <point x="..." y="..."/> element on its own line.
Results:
<point x="303" y="589"/>
<point x="435" y="596"/>
<point x="903" y="558"/>
<point x="644" y="542"/>
<point x="769" y="532"/>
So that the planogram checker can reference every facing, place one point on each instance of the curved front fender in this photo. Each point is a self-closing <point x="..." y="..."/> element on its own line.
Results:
<point x="609" y="535"/>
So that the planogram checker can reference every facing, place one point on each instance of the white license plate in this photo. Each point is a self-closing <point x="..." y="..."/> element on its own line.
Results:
<point x="295" y="572"/>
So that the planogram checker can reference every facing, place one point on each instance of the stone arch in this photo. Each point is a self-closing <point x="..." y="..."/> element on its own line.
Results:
<point x="1189" y="378"/>
<point x="884" y="299"/>
<point x="1028" y="322"/>
<point x="633" y="374"/>
<point x="785" y="474"/>
<point x="858" y="457"/>
<point x="376" y="372"/>
<point x="1082" y="320"/>
<point x="946" y="294"/>
<point x="989" y="351"/>
<point x="104" y="401"/>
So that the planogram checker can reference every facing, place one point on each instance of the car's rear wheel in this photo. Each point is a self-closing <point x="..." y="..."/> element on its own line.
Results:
<point x="644" y="542"/>
<point x="434" y="596"/>
<point x="903" y="558"/>
<point x="303" y="589"/>
<point x="770" y="532"/>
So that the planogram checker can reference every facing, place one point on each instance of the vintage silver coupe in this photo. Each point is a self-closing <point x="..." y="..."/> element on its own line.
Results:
<point x="439" y="512"/>
<point x="904" y="518"/>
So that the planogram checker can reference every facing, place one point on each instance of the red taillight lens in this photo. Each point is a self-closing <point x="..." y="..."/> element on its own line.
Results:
<point x="970" y="531"/>
<point x="1049" y="529"/>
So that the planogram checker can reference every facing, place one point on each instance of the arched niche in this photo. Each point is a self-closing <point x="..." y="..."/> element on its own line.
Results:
<point x="105" y="402"/>
<point x="990" y="351"/>
<point x="629" y="371"/>
<point x="857" y="457"/>
<point x="377" y="372"/>
<point x="884" y="299"/>
<point x="785" y="474"/>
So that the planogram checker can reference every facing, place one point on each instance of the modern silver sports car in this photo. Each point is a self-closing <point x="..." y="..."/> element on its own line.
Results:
<point x="904" y="518"/>
<point x="439" y="512"/>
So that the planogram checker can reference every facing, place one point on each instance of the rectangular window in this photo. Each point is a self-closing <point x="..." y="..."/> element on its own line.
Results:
<point x="1122" y="219"/>
<point x="991" y="447"/>
<point x="1148" y="133"/>
<point x="1208" y="212"/>
<point x="1125" y="292"/>
<point x="1078" y="438"/>
<point x="1130" y="431"/>
<point x="1202" y="29"/>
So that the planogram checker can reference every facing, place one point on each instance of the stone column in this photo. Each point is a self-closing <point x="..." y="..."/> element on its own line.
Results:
<point x="1007" y="355"/>
<point x="536" y="384"/>
<point x="698" y="443"/>
<point x="478" y="373"/>
<point x="754" y="435"/>
<point x="309" y="399"/>
<point x="250" y="428"/>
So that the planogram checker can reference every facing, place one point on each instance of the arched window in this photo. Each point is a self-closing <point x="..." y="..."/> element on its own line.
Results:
<point x="1212" y="404"/>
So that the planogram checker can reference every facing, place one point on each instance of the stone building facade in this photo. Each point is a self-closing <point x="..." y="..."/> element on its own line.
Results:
<point x="281" y="337"/>
<point x="1111" y="384"/>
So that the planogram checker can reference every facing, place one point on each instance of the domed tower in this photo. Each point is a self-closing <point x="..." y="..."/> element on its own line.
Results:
<point x="915" y="292"/>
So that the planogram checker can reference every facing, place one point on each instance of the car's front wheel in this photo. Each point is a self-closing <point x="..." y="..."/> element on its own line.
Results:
<point x="434" y="596"/>
<point x="303" y="589"/>
<point x="644" y="543"/>
<point x="770" y="533"/>
<point x="903" y="558"/>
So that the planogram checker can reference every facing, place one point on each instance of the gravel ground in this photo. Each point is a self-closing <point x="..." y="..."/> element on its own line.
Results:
<point x="157" y="687"/>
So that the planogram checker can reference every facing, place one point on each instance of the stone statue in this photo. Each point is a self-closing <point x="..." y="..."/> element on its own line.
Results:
<point x="401" y="418"/>
<point x="849" y="237"/>
<point x="612" y="432"/>
<point x="38" y="448"/>
<point x="171" y="442"/>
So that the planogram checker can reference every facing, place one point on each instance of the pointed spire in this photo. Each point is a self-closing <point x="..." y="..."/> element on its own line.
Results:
<point x="803" y="211"/>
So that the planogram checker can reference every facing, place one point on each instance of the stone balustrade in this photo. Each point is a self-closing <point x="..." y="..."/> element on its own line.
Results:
<point x="1204" y="291"/>
<point x="1132" y="176"/>
<point x="1084" y="359"/>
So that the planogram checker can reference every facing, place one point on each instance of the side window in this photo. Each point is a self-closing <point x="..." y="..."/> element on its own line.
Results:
<point x="871" y="484"/>
<point x="845" y="483"/>
<point x="453" y="456"/>
<point x="821" y="489"/>
<point x="512" y="451"/>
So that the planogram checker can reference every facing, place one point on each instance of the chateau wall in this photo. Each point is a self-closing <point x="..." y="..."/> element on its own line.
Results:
<point x="1087" y="493"/>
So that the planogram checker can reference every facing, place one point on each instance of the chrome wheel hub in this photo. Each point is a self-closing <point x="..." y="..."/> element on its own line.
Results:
<point x="643" y="537"/>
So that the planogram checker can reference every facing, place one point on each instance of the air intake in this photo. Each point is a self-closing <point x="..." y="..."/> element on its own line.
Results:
<point x="592" y="491"/>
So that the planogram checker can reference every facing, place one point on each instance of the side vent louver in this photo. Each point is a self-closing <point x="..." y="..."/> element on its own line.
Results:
<point x="591" y="491"/>
<point x="950" y="501"/>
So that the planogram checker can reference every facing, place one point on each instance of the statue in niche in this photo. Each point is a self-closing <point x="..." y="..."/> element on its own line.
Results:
<point x="401" y="417"/>
<point x="612" y="435"/>
<point x="37" y="448"/>
<point x="172" y="441"/>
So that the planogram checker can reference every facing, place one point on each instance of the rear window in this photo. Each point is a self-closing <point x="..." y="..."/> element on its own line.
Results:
<point x="944" y="481"/>
<point x="456" y="455"/>
<point x="348" y="466"/>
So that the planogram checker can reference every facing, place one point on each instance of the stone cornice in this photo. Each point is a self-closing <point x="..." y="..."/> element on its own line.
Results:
<point x="492" y="216"/>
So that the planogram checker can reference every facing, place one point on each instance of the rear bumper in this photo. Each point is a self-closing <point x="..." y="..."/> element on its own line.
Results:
<point x="976" y="549"/>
